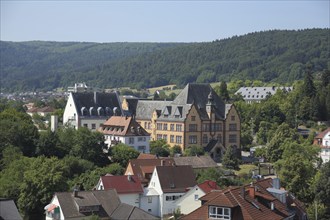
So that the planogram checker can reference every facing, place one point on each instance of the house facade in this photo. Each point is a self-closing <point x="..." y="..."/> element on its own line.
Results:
<point x="123" y="129"/>
<point x="190" y="201"/>
<point x="323" y="141"/>
<point x="168" y="184"/>
<point x="197" y="116"/>
<point x="90" y="109"/>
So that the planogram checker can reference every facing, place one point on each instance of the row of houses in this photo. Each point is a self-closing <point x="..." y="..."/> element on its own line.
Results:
<point x="170" y="187"/>
<point x="197" y="116"/>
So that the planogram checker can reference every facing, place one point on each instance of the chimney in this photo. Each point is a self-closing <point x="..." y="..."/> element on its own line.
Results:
<point x="53" y="123"/>
<point x="272" y="206"/>
<point x="95" y="97"/>
<point x="276" y="183"/>
<point x="252" y="192"/>
<point x="75" y="192"/>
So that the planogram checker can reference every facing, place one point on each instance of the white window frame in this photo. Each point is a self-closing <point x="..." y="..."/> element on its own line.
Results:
<point x="216" y="212"/>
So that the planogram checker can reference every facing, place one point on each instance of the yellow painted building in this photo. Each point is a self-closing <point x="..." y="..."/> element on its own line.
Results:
<point x="197" y="116"/>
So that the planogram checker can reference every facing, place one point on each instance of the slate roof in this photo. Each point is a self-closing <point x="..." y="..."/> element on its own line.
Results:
<point x="125" y="211"/>
<point x="8" y="210"/>
<point x="96" y="100"/>
<point x="196" y="161"/>
<point x="111" y="207"/>
<point x="139" y="166"/>
<point x="259" y="93"/>
<point x="145" y="108"/>
<point x="122" y="184"/>
<point x="108" y="200"/>
<point x="122" y="126"/>
<point x="243" y="206"/>
<point x="193" y="94"/>
<point x="174" y="179"/>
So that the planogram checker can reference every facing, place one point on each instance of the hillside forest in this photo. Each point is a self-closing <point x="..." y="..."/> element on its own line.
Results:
<point x="269" y="56"/>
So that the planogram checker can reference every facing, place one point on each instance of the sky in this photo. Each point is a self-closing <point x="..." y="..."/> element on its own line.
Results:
<point x="154" y="21"/>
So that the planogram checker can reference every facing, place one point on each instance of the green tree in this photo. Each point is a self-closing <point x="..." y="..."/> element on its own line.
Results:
<point x="160" y="148"/>
<point x="230" y="158"/>
<point x="296" y="169"/>
<point x="216" y="175"/>
<point x="43" y="178"/>
<point x="89" y="145"/>
<point x="17" y="129"/>
<point x="322" y="187"/>
<point x="122" y="153"/>
<point x="309" y="87"/>
<point x="194" y="150"/>
<point x="176" y="149"/>
<point x="223" y="92"/>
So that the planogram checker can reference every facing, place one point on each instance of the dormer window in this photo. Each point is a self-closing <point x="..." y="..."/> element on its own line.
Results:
<point x="219" y="212"/>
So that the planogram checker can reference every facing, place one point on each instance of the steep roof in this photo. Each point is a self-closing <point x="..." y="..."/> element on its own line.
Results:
<point x="105" y="101"/>
<point x="140" y="166"/>
<point x="125" y="211"/>
<point x="110" y="205"/>
<point x="108" y="200"/>
<point x="122" y="126"/>
<point x="198" y="94"/>
<point x="196" y="161"/>
<point x="145" y="108"/>
<point x="122" y="184"/>
<point x="8" y="209"/>
<point x="208" y="185"/>
<point x="243" y="203"/>
<point x="176" y="178"/>
<point x="322" y="134"/>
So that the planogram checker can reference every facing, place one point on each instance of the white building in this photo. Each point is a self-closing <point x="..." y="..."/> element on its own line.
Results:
<point x="90" y="109"/>
<point x="190" y="201"/>
<point x="323" y="140"/>
<point x="167" y="184"/>
<point x="123" y="129"/>
<point x="256" y="94"/>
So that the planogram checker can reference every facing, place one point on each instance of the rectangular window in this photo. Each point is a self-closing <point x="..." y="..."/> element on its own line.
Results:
<point x="93" y="126"/>
<point x="179" y="139"/>
<point x="193" y="118"/>
<point x="178" y="127"/>
<point x="218" y="127"/>
<point x="149" y="125"/>
<point x="141" y="148"/>
<point x="131" y="140"/>
<point x="159" y="126"/>
<point x="219" y="138"/>
<point x="159" y="136"/>
<point x="232" y="138"/>
<point x="196" y="197"/>
<point x="219" y="212"/>
<point x="205" y="139"/>
<point x="232" y="127"/>
<point x="172" y="127"/>
<point x="141" y="139"/>
<point x="145" y="124"/>
<point x="86" y="125"/>
<point x="165" y="137"/>
<point x="206" y="127"/>
<point x="192" y="127"/>
<point x="233" y="117"/>
<point x="172" y="138"/>
<point x="149" y="199"/>
<point x="192" y="139"/>
<point x="165" y="127"/>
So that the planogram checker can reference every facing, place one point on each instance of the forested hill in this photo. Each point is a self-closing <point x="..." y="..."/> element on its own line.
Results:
<point x="276" y="55"/>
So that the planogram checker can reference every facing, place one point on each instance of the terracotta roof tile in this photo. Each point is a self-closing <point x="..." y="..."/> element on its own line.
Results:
<point x="208" y="185"/>
<point x="122" y="184"/>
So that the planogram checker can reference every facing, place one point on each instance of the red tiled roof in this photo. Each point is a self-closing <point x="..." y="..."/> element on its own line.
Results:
<point x="208" y="185"/>
<point x="122" y="126"/>
<point x="122" y="184"/>
<point x="243" y="206"/>
<point x="139" y="164"/>
<point x="321" y="135"/>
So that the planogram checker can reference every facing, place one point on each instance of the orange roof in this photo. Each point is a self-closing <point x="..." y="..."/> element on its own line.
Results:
<point x="322" y="134"/>
<point x="208" y="185"/>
